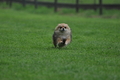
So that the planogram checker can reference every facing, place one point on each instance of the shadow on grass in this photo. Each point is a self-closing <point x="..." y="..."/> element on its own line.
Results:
<point x="4" y="63"/>
<point x="53" y="48"/>
<point x="57" y="48"/>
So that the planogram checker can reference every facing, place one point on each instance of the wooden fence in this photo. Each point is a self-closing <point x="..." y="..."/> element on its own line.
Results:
<point x="55" y="4"/>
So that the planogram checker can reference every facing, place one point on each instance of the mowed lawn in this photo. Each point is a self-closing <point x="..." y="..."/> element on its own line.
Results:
<point x="27" y="52"/>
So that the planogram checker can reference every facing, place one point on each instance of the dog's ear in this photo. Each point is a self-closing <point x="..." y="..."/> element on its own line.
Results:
<point x="58" y="24"/>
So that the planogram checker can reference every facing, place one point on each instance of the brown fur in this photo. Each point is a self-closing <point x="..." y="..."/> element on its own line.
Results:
<point x="62" y="35"/>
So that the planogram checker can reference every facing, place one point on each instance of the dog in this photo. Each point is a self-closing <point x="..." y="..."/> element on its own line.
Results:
<point x="62" y="35"/>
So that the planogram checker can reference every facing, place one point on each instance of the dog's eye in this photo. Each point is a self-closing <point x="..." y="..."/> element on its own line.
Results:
<point x="60" y="27"/>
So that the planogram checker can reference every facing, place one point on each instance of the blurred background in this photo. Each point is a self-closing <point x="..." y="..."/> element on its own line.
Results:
<point x="108" y="8"/>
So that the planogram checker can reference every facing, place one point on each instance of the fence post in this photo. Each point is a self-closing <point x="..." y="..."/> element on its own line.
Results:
<point x="55" y="5"/>
<point x="23" y="3"/>
<point x="35" y="4"/>
<point x="94" y="5"/>
<point x="77" y="6"/>
<point x="10" y="3"/>
<point x="7" y="2"/>
<point x="100" y="9"/>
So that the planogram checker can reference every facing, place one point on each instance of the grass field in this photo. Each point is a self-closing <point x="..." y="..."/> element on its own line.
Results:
<point x="27" y="52"/>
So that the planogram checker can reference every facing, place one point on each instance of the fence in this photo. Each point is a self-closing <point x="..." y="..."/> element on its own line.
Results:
<point x="55" y="4"/>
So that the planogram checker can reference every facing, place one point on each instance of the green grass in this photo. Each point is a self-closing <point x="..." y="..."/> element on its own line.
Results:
<point x="27" y="52"/>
